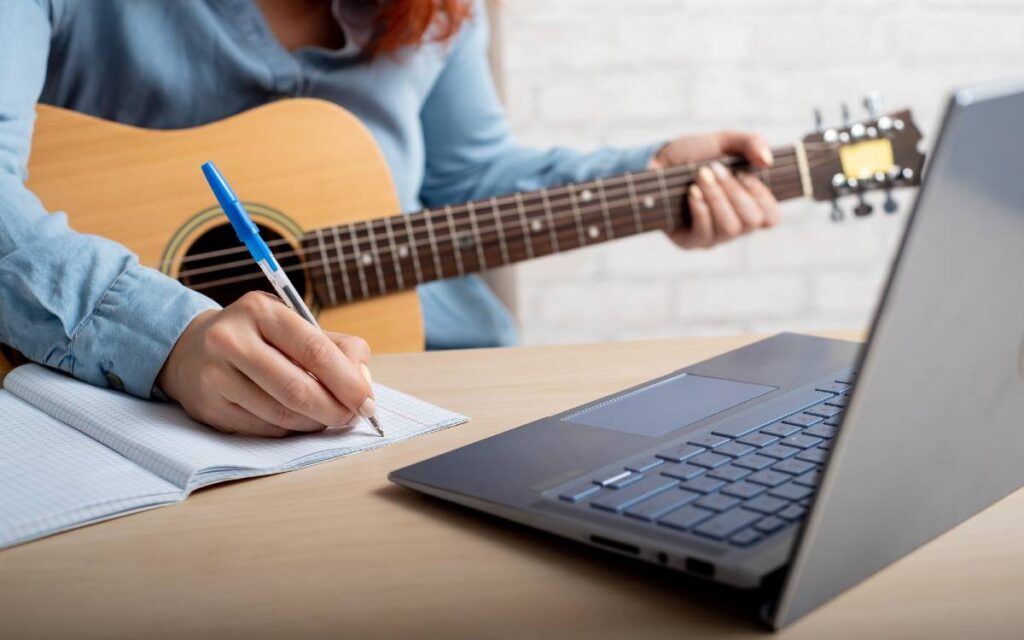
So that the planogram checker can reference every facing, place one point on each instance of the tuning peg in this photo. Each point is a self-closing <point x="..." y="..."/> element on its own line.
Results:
<point x="862" y="208"/>
<point x="837" y="214"/>
<point x="873" y="104"/>
<point x="890" y="205"/>
<point x="819" y="121"/>
<point x="847" y="118"/>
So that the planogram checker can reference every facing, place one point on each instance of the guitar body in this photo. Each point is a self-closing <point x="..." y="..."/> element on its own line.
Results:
<point x="297" y="164"/>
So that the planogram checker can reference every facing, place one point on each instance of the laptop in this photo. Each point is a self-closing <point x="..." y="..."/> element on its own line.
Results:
<point x="798" y="466"/>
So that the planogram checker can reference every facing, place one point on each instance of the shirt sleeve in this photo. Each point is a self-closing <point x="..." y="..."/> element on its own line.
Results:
<point x="471" y="153"/>
<point x="71" y="301"/>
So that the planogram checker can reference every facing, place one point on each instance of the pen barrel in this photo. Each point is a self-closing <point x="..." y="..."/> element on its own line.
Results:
<point x="286" y="291"/>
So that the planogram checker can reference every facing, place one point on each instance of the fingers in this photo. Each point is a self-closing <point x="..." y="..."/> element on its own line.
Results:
<point x="319" y="355"/>
<point x="232" y="418"/>
<point x="743" y="204"/>
<point x="701" y="232"/>
<point x="764" y="198"/>
<point x="749" y="145"/>
<point x="258" y="403"/>
<point x="726" y="223"/>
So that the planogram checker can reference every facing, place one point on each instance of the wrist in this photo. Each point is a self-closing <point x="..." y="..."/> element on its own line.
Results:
<point x="170" y="377"/>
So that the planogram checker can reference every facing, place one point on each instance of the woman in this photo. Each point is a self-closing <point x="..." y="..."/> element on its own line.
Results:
<point x="414" y="71"/>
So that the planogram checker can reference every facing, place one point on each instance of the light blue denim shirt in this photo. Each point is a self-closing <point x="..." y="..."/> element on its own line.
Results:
<point x="85" y="305"/>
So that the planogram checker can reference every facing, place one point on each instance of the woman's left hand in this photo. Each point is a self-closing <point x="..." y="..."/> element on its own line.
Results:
<point x="722" y="205"/>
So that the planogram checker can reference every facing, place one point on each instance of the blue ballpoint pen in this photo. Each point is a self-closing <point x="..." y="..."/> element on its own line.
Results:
<point x="249" y="234"/>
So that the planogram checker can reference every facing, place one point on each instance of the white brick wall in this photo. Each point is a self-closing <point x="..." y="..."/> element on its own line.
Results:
<point x="590" y="72"/>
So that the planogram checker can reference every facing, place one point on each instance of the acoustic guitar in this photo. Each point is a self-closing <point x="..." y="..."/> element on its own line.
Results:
<point x="316" y="183"/>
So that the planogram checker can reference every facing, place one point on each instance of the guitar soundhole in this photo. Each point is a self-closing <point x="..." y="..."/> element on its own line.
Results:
<point x="218" y="266"/>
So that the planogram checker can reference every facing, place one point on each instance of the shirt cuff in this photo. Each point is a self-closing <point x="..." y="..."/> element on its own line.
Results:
<point x="639" y="158"/>
<point x="137" y="322"/>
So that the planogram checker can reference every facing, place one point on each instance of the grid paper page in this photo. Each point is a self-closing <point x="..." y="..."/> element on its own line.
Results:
<point x="163" y="439"/>
<point x="53" y="478"/>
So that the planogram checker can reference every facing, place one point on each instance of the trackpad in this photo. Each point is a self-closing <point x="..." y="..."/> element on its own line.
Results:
<point x="668" y="405"/>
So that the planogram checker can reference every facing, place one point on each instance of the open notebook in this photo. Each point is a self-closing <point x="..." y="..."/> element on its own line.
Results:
<point x="72" y="454"/>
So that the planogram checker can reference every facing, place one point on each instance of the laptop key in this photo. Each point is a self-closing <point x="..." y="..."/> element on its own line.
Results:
<point x="769" y="524"/>
<point x="619" y="481"/>
<point x="792" y="512"/>
<point x="833" y="387"/>
<point x="817" y="456"/>
<point x="780" y="429"/>
<point x="802" y="420"/>
<point x="767" y="413"/>
<point x="579" y="491"/>
<point x="734" y="449"/>
<point x="680" y="453"/>
<point x="794" y="467"/>
<point x="644" y="464"/>
<point x="835" y="421"/>
<point x="682" y="471"/>
<point x="765" y="504"/>
<point x="621" y="498"/>
<point x="709" y="460"/>
<point x="685" y="517"/>
<point x="801" y="441"/>
<point x="768" y="478"/>
<point x="823" y="410"/>
<point x="744" y="490"/>
<point x="654" y="507"/>
<point x="755" y="462"/>
<point x="730" y="473"/>
<point x="725" y="524"/>
<point x="838" y="401"/>
<point x="791" y="491"/>
<point x="745" y="538"/>
<point x="759" y="439"/>
<point x="704" y="484"/>
<point x="717" y="502"/>
<point x="618" y="475"/>
<point x="827" y="445"/>
<point x="778" y="451"/>
<point x="820" y="431"/>
<point x="708" y="440"/>
<point x="809" y="479"/>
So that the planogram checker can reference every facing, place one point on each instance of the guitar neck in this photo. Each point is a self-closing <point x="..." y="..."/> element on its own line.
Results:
<point x="362" y="260"/>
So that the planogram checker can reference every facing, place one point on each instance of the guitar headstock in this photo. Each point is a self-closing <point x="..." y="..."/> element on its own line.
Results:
<point x="878" y="154"/>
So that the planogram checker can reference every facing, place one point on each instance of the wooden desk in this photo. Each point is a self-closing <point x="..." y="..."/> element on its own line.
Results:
<point x="337" y="551"/>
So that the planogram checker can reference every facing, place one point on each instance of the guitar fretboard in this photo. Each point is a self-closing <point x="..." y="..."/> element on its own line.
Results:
<point x="362" y="260"/>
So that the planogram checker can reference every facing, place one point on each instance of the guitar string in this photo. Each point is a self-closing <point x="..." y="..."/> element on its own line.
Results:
<point x="558" y="208"/>
<point x="567" y="216"/>
<point x="530" y="208"/>
<point x="567" y="231"/>
<point x="510" y="198"/>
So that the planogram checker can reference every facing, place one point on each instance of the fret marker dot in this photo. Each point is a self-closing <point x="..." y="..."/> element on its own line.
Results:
<point x="366" y="258"/>
<point x="649" y="202"/>
<point x="403" y="251"/>
<point x="593" y="231"/>
<point x="536" y="225"/>
<point x="586" y="195"/>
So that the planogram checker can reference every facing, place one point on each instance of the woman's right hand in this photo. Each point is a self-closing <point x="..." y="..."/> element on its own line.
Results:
<point x="246" y="369"/>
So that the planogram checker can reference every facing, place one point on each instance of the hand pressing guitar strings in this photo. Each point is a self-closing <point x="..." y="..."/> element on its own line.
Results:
<point x="722" y="205"/>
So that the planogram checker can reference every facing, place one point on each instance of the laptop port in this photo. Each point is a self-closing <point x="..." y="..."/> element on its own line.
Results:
<point x="615" y="544"/>
<point x="700" y="567"/>
<point x="662" y="557"/>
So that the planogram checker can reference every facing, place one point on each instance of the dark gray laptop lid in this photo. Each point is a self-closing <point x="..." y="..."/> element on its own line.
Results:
<point x="935" y="430"/>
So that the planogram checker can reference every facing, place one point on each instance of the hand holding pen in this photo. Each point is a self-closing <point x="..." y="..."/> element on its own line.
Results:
<point x="257" y="367"/>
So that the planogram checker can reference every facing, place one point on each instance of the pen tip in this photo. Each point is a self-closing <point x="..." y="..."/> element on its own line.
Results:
<point x="376" y="425"/>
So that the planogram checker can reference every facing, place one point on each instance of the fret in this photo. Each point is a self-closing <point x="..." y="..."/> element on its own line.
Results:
<point x="666" y="201"/>
<point x="499" y="225"/>
<point x="551" y="220"/>
<point x="453" y="238"/>
<point x="358" y="258"/>
<point x="374" y="255"/>
<point x="327" y="268"/>
<point x="413" y="244"/>
<point x="433" y="244"/>
<point x="342" y="266"/>
<point x="477" y="239"/>
<point x="396" y="255"/>
<point x="574" y="202"/>
<point x="527" y="240"/>
<point x="602" y="197"/>
<point x="635" y="202"/>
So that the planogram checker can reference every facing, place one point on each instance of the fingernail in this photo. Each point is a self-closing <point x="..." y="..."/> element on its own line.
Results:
<point x="366" y="374"/>
<point x="368" y="409"/>
<point x="719" y="170"/>
<point x="706" y="175"/>
<point x="696" y="192"/>
<point x="767" y="157"/>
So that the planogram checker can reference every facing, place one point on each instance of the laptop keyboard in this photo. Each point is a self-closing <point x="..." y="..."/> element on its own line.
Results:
<point x="736" y="483"/>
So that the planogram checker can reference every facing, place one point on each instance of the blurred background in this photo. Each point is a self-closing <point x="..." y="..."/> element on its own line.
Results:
<point x="596" y="72"/>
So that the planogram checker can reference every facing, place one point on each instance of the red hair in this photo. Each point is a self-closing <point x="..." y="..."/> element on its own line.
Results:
<point x="395" y="24"/>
